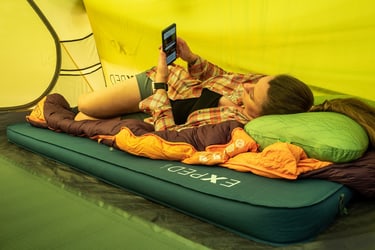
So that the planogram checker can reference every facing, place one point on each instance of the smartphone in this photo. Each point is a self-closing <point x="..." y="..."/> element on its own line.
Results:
<point x="169" y="43"/>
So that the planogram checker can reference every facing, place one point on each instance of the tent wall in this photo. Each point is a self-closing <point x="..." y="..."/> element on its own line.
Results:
<point x="328" y="44"/>
<point x="46" y="46"/>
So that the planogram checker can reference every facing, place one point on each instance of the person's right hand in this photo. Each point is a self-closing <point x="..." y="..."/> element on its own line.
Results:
<point x="184" y="52"/>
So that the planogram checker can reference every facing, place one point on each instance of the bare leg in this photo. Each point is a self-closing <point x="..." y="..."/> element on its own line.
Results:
<point x="110" y="102"/>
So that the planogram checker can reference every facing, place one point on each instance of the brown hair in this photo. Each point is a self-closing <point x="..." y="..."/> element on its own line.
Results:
<point x="356" y="109"/>
<point x="287" y="95"/>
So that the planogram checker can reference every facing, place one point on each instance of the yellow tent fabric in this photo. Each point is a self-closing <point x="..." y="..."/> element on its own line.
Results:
<point x="328" y="44"/>
<point x="48" y="46"/>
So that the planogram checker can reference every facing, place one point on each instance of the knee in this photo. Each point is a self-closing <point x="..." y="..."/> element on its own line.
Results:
<point x="84" y="104"/>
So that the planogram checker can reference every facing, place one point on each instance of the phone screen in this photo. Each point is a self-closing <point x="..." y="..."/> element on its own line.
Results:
<point x="169" y="42"/>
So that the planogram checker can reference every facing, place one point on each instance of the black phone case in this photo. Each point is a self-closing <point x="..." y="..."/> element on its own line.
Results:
<point x="169" y="43"/>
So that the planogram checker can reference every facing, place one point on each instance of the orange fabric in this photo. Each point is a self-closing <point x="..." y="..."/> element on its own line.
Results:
<point x="279" y="160"/>
<point x="152" y="146"/>
<point x="36" y="117"/>
<point x="216" y="154"/>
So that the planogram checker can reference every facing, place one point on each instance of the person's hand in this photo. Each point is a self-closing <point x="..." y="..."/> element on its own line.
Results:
<point x="162" y="68"/>
<point x="184" y="52"/>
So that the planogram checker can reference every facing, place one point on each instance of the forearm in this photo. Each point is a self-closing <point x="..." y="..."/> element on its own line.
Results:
<point x="198" y="67"/>
<point x="202" y="69"/>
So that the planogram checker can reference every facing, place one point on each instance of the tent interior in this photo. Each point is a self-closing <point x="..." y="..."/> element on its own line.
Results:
<point x="74" y="46"/>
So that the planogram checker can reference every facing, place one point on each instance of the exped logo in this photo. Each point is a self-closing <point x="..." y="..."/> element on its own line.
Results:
<point x="193" y="173"/>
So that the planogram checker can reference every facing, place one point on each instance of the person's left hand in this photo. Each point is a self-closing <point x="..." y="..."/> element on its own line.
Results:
<point x="162" y="68"/>
<point x="184" y="51"/>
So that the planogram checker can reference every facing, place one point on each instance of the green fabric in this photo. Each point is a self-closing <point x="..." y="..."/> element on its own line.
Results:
<point x="262" y="209"/>
<point x="36" y="214"/>
<point x="99" y="159"/>
<point x="323" y="135"/>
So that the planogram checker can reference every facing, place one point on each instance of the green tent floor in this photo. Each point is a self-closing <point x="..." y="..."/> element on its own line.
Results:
<point x="37" y="214"/>
<point x="47" y="205"/>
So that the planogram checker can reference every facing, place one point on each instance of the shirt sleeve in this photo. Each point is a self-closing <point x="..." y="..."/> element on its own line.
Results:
<point x="202" y="69"/>
<point x="159" y="107"/>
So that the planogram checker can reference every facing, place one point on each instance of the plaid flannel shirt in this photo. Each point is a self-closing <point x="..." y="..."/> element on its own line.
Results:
<point x="183" y="84"/>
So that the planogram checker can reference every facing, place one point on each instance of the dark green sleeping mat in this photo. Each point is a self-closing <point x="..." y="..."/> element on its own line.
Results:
<point x="272" y="211"/>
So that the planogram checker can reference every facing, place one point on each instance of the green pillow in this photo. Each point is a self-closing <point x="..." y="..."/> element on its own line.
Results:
<point x="325" y="136"/>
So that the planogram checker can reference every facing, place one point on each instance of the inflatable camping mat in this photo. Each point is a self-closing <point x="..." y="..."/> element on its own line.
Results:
<point x="277" y="210"/>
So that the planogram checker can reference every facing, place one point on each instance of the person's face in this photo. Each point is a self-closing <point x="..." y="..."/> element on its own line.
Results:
<point x="255" y="95"/>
